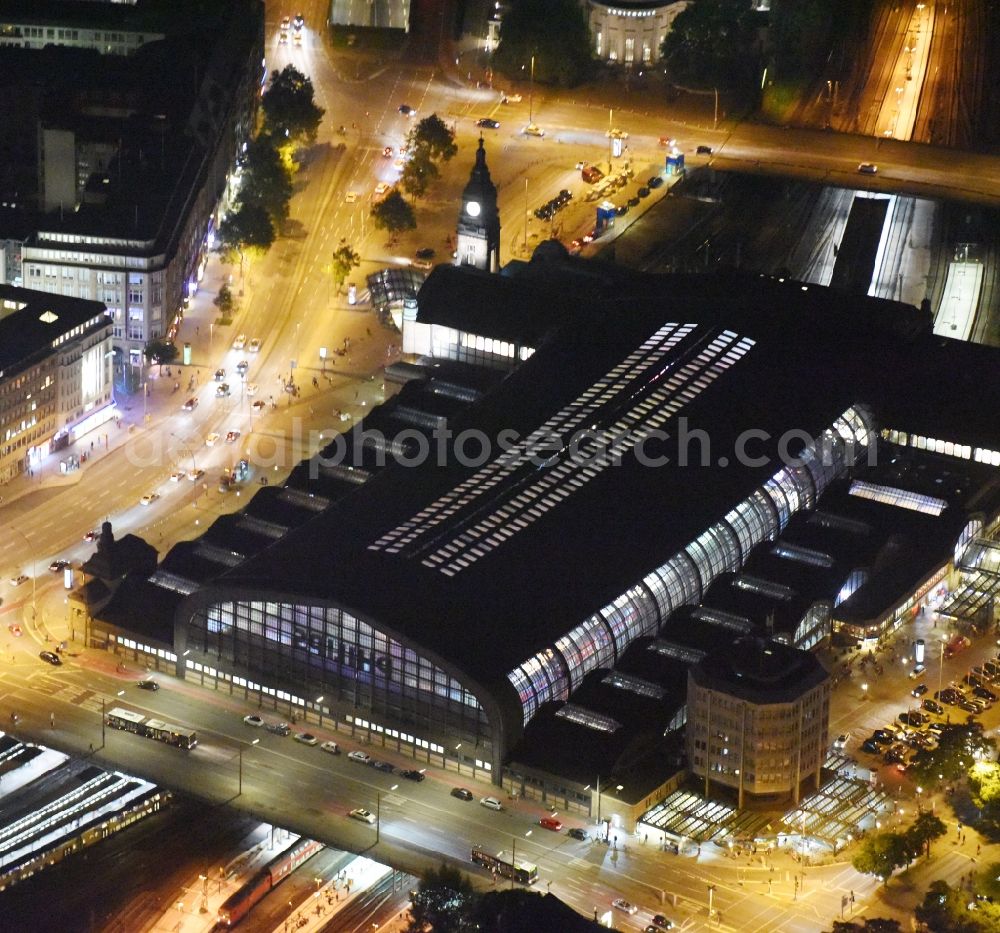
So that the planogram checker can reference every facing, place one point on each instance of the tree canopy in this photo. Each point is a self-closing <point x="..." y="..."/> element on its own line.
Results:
<point x="959" y="747"/>
<point x="434" y="136"/>
<point x="868" y="925"/>
<point x="394" y="213"/>
<point x="419" y="173"/>
<point x="925" y="829"/>
<point x="290" y="110"/>
<point x="713" y="43"/>
<point x="444" y="903"/>
<point x="345" y="260"/>
<point x="160" y="352"/>
<point x="266" y="179"/>
<point x="555" y="32"/>
<point x="247" y="228"/>
<point x="881" y="855"/>
<point x="945" y="910"/>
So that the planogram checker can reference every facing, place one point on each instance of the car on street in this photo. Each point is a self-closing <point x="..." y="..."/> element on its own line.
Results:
<point x="151" y="685"/>
<point x="411" y="774"/>
<point x="550" y="822"/>
<point x="382" y="766"/>
<point x="662" y="923"/>
<point x="332" y="747"/>
<point x="366" y="816"/>
<point x="51" y="657"/>
<point x="19" y="579"/>
<point x="222" y="391"/>
<point x="633" y="202"/>
<point x="841" y="741"/>
<point x="406" y="110"/>
<point x="176" y="476"/>
<point x="278" y="728"/>
<point x="381" y="188"/>
<point x="297" y="37"/>
<point x="510" y="98"/>
<point x="240" y="342"/>
<point x="491" y="803"/>
<point x="282" y="37"/>
<point x="704" y="150"/>
<point x="426" y="252"/>
<point x="190" y="405"/>
<point x="212" y="439"/>
<point x="487" y="123"/>
<point x="252" y="388"/>
<point x="655" y="181"/>
<point x="149" y="498"/>
<point x="462" y="793"/>
<point x="195" y="475"/>
<point x="57" y="565"/>
<point x="299" y="21"/>
<point x="232" y="437"/>
<point x="351" y="197"/>
<point x="15" y="629"/>
<point x="578" y="833"/>
<point x="363" y="757"/>
<point x="259" y="405"/>
<point x="619" y="903"/>
<point x="643" y="192"/>
<point x="913" y="718"/>
<point x="533" y="129"/>
<point x="242" y="366"/>
<point x="91" y="536"/>
<point x="868" y="168"/>
<point x="919" y="690"/>
<point x="871" y="747"/>
<point x="285" y="23"/>
<point x="254" y="720"/>
<point x="254" y="345"/>
<point x="306" y="738"/>
<point x="387" y="152"/>
<point x="220" y="375"/>
<point x="932" y="706"/>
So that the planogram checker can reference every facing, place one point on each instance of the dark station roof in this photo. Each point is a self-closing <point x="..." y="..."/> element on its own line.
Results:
<point x="815" y="353"/>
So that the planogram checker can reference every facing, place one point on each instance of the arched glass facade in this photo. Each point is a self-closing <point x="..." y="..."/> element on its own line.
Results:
<point x="600" y="640"/>
<point x="355" y="666"/>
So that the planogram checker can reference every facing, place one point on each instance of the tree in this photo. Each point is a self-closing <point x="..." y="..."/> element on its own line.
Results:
<point x="247" y="228"/>
<point x="713" y="43"/>
<point x="266" y="179"/>
<point x="881" y="855"/>
<point x="944" y="910"/>
<point x="418" y="173"/>
<point x="433" y="135"/>
<point x="925" y="829"/>
<point x="289" y="106"/>
<point x="395" y="214"/>
<point x="345" y="259"/>
<point x="959" y="747"/>
<point x="224" y="300"/>
<point x="869" y="925"/>
<point x="160" y="352"/>
<point x="555" y="32"/>
<point x="443" y="903"/>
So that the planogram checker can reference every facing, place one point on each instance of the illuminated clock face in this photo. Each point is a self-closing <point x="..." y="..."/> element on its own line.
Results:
<point x="472" y="208"/>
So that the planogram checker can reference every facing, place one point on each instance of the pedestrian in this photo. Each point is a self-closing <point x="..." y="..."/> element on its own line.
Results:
<point x="52" y="723"/>
<point x="978" y="847"/>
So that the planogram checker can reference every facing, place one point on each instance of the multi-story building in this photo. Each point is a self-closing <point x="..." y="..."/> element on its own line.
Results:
<point x="758" y="714"/>
<point x="630" y="32"/>
<point x="55" y="374"/>
<point x="131" y="170"/>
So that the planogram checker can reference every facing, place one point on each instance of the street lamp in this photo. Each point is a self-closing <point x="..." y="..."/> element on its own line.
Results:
<point x="711" y="897"/>
<point x="940" y="667"/>
<point x="34" y="568"/>
<point x="378" y="813"/>
<point x="864" y="691"/>
<point x="239" y="792"/>
<point x="513" y="856"/>
<point x="319" y="706"/>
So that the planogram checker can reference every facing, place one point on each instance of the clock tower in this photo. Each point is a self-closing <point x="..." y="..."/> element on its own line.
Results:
<point x="479" y="219"/>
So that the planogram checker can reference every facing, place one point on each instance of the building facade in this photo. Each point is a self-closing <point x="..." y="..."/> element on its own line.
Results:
<point x="630" y="32"/>
<point x="55" y="374"/>
<point x="758" y="719"/>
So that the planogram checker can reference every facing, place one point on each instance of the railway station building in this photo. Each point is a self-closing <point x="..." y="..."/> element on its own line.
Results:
<point x="589" y="480"/>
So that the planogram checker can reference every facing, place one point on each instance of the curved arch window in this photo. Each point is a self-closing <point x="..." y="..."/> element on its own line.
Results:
<point x="541" y="678"/>
<point x="587" y="647"/>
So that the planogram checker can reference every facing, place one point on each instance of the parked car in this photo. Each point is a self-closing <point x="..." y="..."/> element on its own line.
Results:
<point x="332" y="747"/>
<point x="933" y="706"/>
<point x="491" y="803"/>
<point x="411" y="774"/>
<point x="359" y="756"/>
<point x="462" y="793"/>
<point x="383" y="766"/>
<point x="643" y="192"/>
<point x="662" y="923"/>
<point x="655" y="181"/>
<point x="871" y="747"/>
<point x="151" y="685"/>
<point x="59" y="565"/>
<point x="984" y="693"/>
<point x="919" y="690"/>
<point x="884" y="735"/>
<point x="366" y="816"/>
<point x="51" y="657"/>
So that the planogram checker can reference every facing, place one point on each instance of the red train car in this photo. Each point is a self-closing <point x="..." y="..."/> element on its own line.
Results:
<point x="238" y="905"/>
